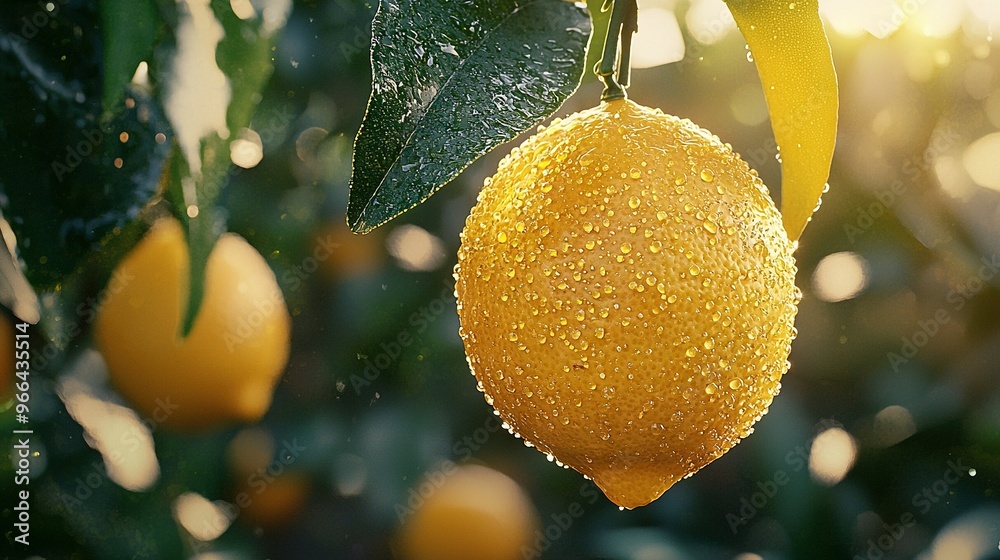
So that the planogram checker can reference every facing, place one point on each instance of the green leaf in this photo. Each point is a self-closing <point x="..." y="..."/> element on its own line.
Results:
<point x="129" y="29"/>
<point x="67" y="178"/>
<point x="451" y="81"/>
<point x="200" y="167"/>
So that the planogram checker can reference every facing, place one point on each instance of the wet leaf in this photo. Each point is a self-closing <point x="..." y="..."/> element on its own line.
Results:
<point x="451" y="81"/>
<point x="793" y="58"/>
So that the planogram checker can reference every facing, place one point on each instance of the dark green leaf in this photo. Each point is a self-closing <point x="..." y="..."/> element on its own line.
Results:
<point x="68" y="178"/>
<point x="129" y="29"/>
<point x="451" y="81"/>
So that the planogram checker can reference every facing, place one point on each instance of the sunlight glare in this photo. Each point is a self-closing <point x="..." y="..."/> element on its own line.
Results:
<point x="831" y="456"/>
<point x="247" y="150"/>
<point x="205" y="520"/>
<point x="981" y="161"/>
<point x="892" y="425"/>
<point x="116" y="432"/>
<point x="709" y="21"/>
<point x="415" y="248"/>
<point x="659" y="40"/>
<point x="840" y="276"/>
<point x="881" y="18"/>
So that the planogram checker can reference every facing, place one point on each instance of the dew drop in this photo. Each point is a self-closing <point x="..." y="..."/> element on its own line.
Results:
<point x="634" y="202"/>
<point x="707" y="175"/>
<point x="626" y="248"/>
<point x="502" y="237"/>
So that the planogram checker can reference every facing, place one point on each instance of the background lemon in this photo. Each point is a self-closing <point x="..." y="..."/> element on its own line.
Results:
<point x="626" y="296"/>
<point x="476" y="513"/>
<point x="225" y="370"/>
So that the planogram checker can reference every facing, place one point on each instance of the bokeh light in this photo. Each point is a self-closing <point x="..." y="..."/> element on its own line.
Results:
<point x="414" y="248"/>
<point x="840" y="276"/>
<point x="659" y="40"/>
<point x="831" y="456"/>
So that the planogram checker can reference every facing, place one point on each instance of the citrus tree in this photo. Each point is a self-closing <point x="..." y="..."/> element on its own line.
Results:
<point x="242" y="327"/>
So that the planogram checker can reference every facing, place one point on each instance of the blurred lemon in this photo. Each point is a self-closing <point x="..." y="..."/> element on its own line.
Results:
<point x="225" y="370"/>
<point x="626" y="296"/>
<point x="469" y="513"/>
<point x="274" y="503"/>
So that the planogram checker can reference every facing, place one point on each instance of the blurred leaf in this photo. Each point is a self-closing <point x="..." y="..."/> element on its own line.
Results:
<point x="129" y="29"/>
<point x="68" y="179"/>
<point x="244" y="55"/>
<point x="452" y="80"/>
<point x="793" y="58"/>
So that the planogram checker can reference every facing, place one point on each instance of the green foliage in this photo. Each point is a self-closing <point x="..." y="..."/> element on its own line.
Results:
<point x="451" y="81"/>
<point x="129" y="32"/>
<point x="68" y="179"/>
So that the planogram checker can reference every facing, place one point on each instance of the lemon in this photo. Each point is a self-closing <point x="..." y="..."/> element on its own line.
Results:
<point x="226" y="369"/>
<point x="475" y="513"/>
<point x="626" y="297"/>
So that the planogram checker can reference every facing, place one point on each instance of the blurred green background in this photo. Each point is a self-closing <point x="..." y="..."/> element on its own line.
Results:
<point x="884" y="442"/>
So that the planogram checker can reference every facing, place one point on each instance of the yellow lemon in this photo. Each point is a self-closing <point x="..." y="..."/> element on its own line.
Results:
<point x="626" y="297"/>
<point x="472" y="513"/>
<point x="226" y="369"/>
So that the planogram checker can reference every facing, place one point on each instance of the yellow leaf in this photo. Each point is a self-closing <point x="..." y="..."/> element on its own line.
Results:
<point x="793" y="58"/>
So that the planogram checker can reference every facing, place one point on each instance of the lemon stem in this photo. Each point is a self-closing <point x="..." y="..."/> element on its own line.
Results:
<point x="623" y="23"/>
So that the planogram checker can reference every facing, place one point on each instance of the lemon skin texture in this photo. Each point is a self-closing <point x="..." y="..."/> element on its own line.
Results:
<point x="626" y="297"/>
